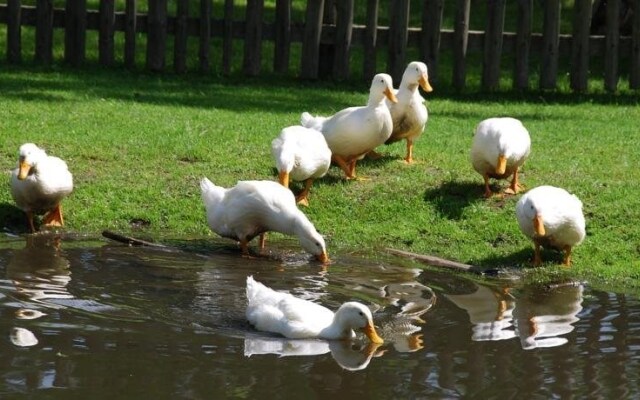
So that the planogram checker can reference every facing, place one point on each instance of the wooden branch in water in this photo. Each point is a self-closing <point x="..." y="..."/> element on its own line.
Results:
<point x="436" y="261"/>
<point x="131" y="241"/>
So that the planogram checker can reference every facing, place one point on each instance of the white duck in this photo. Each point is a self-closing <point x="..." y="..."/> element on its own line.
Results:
<point x="410" y="114"/>
<point x="551" y="216"/>
<point x="252" y="208"/>
<point x="294" y="318"/>
<point x="301" y="154"/>
<point x="353" y="132"/>
<point x="500" y="146"/>
<point x="39" y="184"/>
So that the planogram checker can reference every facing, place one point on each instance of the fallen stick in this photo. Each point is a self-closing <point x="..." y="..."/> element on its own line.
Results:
<point x="436" y="261"/>
<point x="131" y="241"/>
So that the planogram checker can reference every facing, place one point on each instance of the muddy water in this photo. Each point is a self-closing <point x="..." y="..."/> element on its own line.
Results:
<point x="91" y="318"/>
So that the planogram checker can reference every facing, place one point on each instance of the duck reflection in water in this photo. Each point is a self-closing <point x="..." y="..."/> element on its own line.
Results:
<point x="352" y="356"/>
<point x="537" y="316"/>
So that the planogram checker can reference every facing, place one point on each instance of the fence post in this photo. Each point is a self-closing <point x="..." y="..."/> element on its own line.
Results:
<point x="107" y="29"/>
<point x="282" y="40"/>
<point x="75" y="31"/>
<point x="493" y="44"/>
<point x="580" y="45"/>
<point x="156" y="34"/>
<point x="370" y="38"/>
<point x="460" y="39"/>
<point x="14" y="31"/>
<point x="44" y="32"/>
<point x="311" y="39"/>
<point x="227" y="36"/>
<point x="180" y="36"/>
<point x="204" y="46"/>
<point x="634" y="74"/>
<point x="550" y="44"/>
<point x="253" y="37"/>
<point x="523" y="44"/>
<point x="130" y="33"/>
<point x="612" y="46"/>
<point x="344" y="26"/>
<point x="430" y="35"/>
<point x="327" y="51"/>
<point x="398" y="33"/>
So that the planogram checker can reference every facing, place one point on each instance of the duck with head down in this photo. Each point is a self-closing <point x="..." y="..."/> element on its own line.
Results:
<point x="551" y="217"/>
<point x="294" y="318"/>
<point x="39" y="184"/>
<point x="252" y="208"/>
<point x="353" y="132"/>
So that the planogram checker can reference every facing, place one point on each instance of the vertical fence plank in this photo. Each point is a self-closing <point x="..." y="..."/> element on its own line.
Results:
<point x="311" y="39"/>
<point x="344" y="27"/>
<point x="327" y="50"/>
<point x="612" y="46"/>
<point x="523" y="44"/>
<point x="75" y="31"/>
<point x="253" y="37"/>
<point x="106" y="32"/>
<point x="493" y="44"/>
<point x="14" y="31"/>
<point x="550" y="44"/>
<point x="204" y="46"/>
<point x="580" y="45"/>
<point x="180" y="36"/>
<point x="430" y="35"/>
<point x="398" y="33"/>
<point x="460" y="39"/>
<point x="634" y="74"/>
<point x="156" y="35"/>
<point x="282" y="38"/>
<point x="130" y="28"/>
<point x="227" y="36"/>
<point x="370" y="39"/>
<point x="44" y="32"/>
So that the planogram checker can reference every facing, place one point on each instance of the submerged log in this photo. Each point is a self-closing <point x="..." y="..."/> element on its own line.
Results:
<point x="437" y="261"/>
<point x="131" y="241"/>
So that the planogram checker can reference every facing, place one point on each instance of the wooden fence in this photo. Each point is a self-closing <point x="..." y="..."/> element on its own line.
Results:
<point x="328" y="35"/>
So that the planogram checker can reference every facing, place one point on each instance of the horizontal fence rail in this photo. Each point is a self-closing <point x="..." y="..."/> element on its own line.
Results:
<point x="328" y="35"/>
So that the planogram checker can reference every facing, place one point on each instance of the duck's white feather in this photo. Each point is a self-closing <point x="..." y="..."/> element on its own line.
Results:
<point x="301" y="152"/>
<point x="499" y="136"/>
<point x="561" y="214"/>
<point x="287" y="315"/>
<point x="253" y="207"/>
<point x="47" y="183"/>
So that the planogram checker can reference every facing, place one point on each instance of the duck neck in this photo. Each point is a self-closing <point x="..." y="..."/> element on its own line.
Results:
<point x="338" y="329"/>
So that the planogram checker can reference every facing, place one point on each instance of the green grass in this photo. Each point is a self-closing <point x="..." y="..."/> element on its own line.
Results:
<point x="138" y="144"/>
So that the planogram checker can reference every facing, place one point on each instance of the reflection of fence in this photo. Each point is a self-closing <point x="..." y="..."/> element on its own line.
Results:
<point x="330" y="24"/>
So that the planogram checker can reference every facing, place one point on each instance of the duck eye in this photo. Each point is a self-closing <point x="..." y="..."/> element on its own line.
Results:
<point x="361" y="313"/>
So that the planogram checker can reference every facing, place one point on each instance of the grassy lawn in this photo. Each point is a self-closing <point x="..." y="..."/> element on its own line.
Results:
<point x="138" y="144"/>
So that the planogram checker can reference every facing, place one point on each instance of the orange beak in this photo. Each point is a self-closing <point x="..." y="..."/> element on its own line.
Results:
<point x="24" y="170"/>
<point x="371" y="333"/>
<point x="390" y="95"/>
<point x="502" y="165"/>
<point x="538" y="226"/>
<point x="424" y="83"/>
<point x="323" y="258"/>
<point x="283" y="178"/>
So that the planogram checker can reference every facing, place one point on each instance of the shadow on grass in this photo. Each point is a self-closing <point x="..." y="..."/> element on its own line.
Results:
<point x="236" y="92"/>
<point x="13" y="219"/>
<point x="451" y="198"/>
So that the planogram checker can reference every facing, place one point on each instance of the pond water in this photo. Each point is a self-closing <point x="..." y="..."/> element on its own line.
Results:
<point x="84" y="318"/>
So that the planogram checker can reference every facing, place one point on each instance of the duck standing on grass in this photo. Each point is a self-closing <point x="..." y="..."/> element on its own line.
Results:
<point x="252" y="208"/>
<point x="551" y="217"/>
<point x="39" y="184"/>
<point x="409" y="114"/>
<point x="294" y="318"/>
<point x="353" y="132"/>
<point x="500" y="147"/>
<point x="301" y="154"/>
